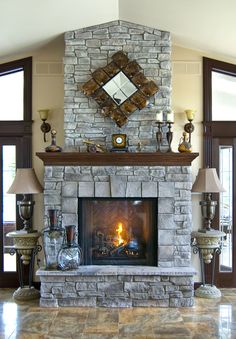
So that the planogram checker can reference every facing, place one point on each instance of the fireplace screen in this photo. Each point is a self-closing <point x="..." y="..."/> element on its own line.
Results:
<point x="116" y="231"/>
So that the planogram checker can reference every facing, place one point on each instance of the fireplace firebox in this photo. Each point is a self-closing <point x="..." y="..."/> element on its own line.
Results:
<point x="118" y="231"/>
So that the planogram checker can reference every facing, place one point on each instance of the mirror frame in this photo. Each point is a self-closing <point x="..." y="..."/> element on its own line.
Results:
<point x="138" y="100"/>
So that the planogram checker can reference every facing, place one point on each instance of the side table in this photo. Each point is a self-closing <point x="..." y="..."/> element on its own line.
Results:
<point x="26" y="247"/>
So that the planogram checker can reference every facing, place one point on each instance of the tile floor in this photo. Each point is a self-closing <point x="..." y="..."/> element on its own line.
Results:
<point x="207" y="319"/>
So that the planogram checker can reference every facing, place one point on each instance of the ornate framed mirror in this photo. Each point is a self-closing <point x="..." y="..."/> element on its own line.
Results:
<point x="120" y="88"/>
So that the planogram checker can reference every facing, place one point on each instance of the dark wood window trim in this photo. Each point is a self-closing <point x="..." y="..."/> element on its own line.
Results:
<point x="18" y="133"/>
<point x="216" y="133"/>
<point x="26" y="65"/>
<point x="214" y="128"/>
<point x="22" y="129"/>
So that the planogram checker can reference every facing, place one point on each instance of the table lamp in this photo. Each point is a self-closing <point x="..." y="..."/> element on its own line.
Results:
<point x="207" y="181"/>
<point x="207" y="241"/>
<point x="25" y="182"/>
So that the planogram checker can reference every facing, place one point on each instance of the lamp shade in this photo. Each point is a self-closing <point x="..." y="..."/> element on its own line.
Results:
<point x="25" y="182"/>
<point x="207" y="181"/>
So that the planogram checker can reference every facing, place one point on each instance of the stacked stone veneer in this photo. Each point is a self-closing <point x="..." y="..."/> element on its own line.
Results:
<point x="106" y="286"/>
<point x="90" y="48"/>
<point x="168" y="284"/>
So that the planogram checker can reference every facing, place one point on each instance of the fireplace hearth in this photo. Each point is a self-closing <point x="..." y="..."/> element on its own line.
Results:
<point x="118" y="231"/>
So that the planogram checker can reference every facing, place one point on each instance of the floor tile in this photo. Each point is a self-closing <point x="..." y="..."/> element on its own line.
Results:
<point x="207" y="319"/>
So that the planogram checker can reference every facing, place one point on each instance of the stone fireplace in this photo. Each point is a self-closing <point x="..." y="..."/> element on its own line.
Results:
<point x="169" y="282"/>
<point x="75" y="177"/>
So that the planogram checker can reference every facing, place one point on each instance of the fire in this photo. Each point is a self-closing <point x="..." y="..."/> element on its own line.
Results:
<point x="119" y="231"/>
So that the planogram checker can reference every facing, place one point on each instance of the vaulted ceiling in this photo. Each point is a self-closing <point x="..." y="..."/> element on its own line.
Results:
<point x="209" y="26"/>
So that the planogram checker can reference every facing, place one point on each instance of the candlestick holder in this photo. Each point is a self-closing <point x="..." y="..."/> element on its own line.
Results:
<point x="159" y="136"/>
<point x="169" y="136"/>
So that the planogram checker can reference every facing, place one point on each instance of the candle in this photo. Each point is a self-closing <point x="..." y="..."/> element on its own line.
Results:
<point x="190" y="114"/>
<point x="159" y="116"/>
<point x="170" y="116"/>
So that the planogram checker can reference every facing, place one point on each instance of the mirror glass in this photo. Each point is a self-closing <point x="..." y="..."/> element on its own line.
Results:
<point x="120" y="88"/>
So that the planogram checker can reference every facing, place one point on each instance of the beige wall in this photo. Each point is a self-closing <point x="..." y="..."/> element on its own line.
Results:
<point x="187" y="93"/>
<point x="48" y="93"/>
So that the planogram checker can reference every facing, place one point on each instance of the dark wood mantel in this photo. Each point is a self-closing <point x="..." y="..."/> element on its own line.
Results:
<point x="116" y="159"/>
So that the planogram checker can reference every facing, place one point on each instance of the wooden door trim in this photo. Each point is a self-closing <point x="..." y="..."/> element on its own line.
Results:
<point x="225" y="279"/>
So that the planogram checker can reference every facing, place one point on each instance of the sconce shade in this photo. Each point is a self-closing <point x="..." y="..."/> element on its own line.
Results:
<point x="207" y="181"/>
<point x="25" y="182"/>
<point x="190" y="114"/>
<point x="43" y="113"/>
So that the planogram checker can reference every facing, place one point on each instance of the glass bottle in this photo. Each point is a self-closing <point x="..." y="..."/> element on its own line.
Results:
<point x="53" y="147"/>
<point x="70" y="255"/>
<point x="53" y="237"/>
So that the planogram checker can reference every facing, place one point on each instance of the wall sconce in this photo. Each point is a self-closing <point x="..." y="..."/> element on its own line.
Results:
<point x="45" y="127"/>
<point x="189" y="127"/>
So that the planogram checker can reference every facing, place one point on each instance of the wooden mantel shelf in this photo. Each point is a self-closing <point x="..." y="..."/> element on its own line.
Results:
<point x="116" y="159"/>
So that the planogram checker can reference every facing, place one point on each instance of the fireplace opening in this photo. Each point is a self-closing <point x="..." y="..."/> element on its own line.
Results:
<point x="118" y="231"/>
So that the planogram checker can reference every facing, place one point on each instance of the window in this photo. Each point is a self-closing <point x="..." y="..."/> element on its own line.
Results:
<point x="12" y="95"/>
<point x="9" y="201"/>
<point x="223" y="97"/>
<point x="15" y="151"/>
<point x="220" y="152"/>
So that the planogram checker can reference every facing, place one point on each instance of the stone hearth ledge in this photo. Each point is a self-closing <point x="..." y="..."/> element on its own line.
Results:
<point x="118" y="286"/>
<point x="120" y="270"/>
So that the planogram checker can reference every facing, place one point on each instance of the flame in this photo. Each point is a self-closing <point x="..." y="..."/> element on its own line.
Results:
<point x="119" y="231"/>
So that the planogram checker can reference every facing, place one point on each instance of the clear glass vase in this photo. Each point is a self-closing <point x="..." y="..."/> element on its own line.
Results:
<point x="70" y="255"/>
<point x="53" y="238"/>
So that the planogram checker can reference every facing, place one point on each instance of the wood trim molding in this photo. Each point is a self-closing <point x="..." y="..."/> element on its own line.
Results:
<point x="213" y="128"/>
<point x="116" y="159"/>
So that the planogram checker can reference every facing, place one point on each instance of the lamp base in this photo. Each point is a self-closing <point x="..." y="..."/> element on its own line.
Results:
<point x="26" y="293"/>
<point x="208" y="291"/>
<point x="26" y="211"/>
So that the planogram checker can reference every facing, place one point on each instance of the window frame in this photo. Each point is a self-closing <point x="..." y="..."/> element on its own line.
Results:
<point x="19" y="133"/>
<point x="26" y="65"/>
<point x="216" y="133"/>
<point x="22" y="128"/>
<point x="211" y="128"/>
